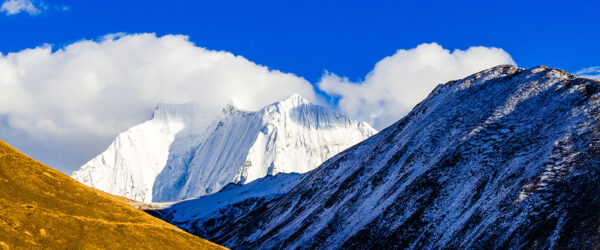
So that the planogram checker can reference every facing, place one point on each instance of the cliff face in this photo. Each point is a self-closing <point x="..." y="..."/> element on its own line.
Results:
<point x="507" y="157"/>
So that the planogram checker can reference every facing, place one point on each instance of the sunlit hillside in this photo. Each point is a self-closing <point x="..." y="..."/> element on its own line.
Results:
<point x="43" y="208"/>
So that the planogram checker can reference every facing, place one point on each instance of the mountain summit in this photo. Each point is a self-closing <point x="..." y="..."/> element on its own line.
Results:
<point x="505" y="158"/>
<point x="172" y="157"/>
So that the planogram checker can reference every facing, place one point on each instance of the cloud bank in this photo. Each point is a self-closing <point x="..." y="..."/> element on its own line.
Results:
<point x="65" y="106"/>
<point x="591" y="72"/>
<point x="400" y="81"/>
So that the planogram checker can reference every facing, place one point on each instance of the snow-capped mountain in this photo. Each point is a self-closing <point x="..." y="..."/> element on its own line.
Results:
<point x="504" y="158"/>
<point x="129" y="166"/>
<point x="180" y="154"/>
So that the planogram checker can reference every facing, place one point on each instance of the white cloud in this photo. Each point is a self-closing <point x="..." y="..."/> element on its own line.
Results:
<point x="13" y="7"/>
<point x="400" y="81"/>
<point x="65" y="106"/>
<point x="591" y="72"/>
<point x="31" y="7"/>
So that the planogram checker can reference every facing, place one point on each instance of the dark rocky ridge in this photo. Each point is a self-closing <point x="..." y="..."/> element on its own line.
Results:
<point x="505" y="158"/>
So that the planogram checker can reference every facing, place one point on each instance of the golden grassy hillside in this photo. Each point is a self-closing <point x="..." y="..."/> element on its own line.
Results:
<point x="43" y="208"/>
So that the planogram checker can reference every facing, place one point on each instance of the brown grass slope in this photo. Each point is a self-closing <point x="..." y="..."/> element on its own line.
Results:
<point x="43" y="208"/>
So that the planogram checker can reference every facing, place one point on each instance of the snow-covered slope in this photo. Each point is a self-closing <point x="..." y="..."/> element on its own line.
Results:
<point x="201" y="215"/>
<point x="291" y="136"/>
<point x="133" y="160"/>
<point x="178" y="154"/>
<point x="505" y="158"/>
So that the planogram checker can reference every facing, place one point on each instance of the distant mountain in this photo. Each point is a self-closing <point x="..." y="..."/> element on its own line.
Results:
<point x="504" y="158"/>
<point x="129" y="166"/>
<point x="41" y="208"/>
<point x="174" y="157"/>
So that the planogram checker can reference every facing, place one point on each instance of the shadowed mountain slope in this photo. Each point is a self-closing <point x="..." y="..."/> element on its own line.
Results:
<point x="505" y="158"/>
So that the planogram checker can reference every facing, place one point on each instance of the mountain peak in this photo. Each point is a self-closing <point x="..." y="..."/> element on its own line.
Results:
<point x="295" y="96"/>
<point x="231" y="107"/>
<point x="186" y="152"/>
<point x="496" y="71"/>
<point x="291" y="102"/>
<point x="539" y="68"/>
<point x="167" y="111"/>
<point x="295" y="99"/>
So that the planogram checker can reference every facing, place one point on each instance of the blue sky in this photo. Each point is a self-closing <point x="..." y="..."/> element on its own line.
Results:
<point x="74" y="74"/>
<point x="306" y="37"/>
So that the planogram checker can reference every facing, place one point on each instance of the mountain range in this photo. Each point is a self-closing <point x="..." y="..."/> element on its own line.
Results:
<point x="182" y="152"/>
<point x="505" y="158"/>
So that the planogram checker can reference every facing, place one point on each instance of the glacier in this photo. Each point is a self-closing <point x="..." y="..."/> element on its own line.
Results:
<point x="183" y="152"/>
